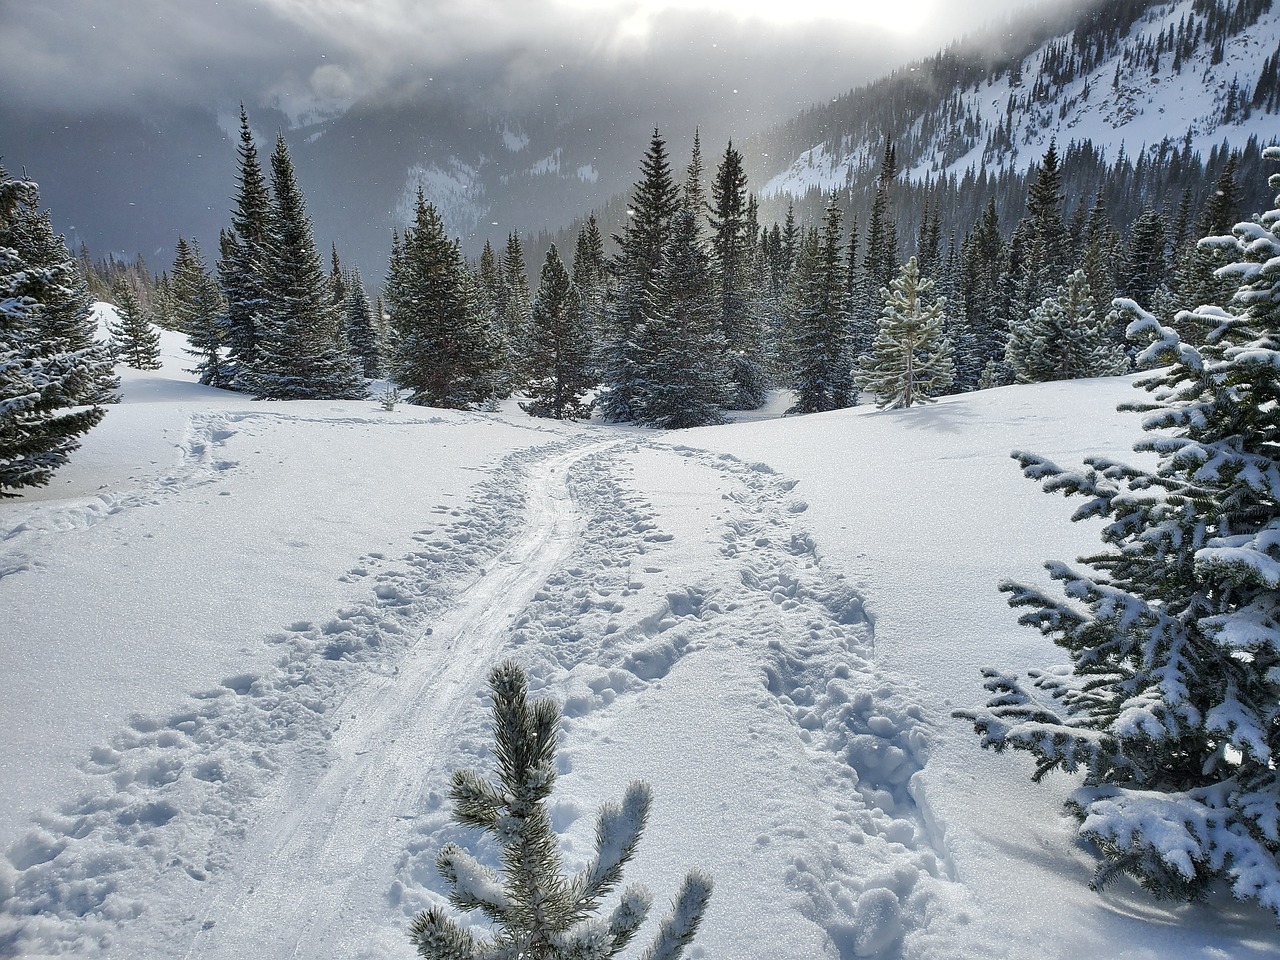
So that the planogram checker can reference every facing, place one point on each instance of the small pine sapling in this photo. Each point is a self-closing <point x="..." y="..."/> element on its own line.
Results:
<point x="538" y="912"/>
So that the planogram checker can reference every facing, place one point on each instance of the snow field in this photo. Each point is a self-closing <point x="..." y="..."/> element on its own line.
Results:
<point x="251" y="642"/>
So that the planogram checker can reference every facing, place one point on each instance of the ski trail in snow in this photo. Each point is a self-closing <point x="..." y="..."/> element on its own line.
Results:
<point x="170" y="802"/>
<point x="628" y="612"/>
<point x="345" y="826"/>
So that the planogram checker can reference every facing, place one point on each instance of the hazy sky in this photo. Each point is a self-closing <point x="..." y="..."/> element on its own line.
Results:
<point x="77" y="54"/>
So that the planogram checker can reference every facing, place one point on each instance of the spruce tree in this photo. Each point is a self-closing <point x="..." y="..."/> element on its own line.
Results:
<point x="65" y="319"/>
<point x="539" y="913"/>
<point x="559" y="360"/>
<point x="635" y="271"/>
<point x="820" y="326"/>
<point x="1064" y="339"/>
<point x="732" y="237"/>
<point x="516" y="306"/>
<point x="591" y="277"/>
<point x="41" y="379"/>
<point x="301" y="353"/>
<point x="360" y="326"/>
<point x="1171" y="710"/>
<point x="133" y="339"/>
<point x="685" y="382"/>
<point x="910" y="358"/>
<point x="244" y="253"/>
<point x="200" y="313"/>
<point x="441" y="348"/>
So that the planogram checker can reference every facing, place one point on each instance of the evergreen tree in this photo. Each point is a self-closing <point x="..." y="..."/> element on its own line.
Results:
<point x="880" y="261"/>
<point x="910" y="359"/>
<point x="590" y="276"/>
<point x="65" y="319"/>
<point x="244" y="252"/>
<point x="200" y="313"/>
<point x="517" y="305"/>
<point x="684" y="382"/>
<point x="41" y="418"/>
<point x="1172" y="710"/>
<point x="301" y="353"/>
<point x="440" y="349"/>
<point x="635" y="270"/>
<point x="694" y="194"/>
<point x="732" y="237"/>
<point x="360" y="327"/>
<point x="560" y="346"/>
<point x="133" y="339"/>
<point x="824" y="364"/>
<point x="1064" y="339"/>
<point x="538" y="912"/>
<point x="1144" y="265"/>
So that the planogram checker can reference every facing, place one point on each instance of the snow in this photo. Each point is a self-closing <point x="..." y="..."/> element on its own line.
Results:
<point x="245" y="646"/>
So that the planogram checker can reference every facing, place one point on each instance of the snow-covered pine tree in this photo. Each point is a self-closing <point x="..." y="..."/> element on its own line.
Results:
<point x="538" y="912"/>
<point x="1064" y="339"/>
<point x="133" y="339"/>
<point x="732" y="239"/>
<point x="686" y="383"/>
<point x="559" y="360"/>
<point x="360" y="327"/>
<point x="820" y="326"/>
<point x="910" y="358"/>
<point x="301" y="353"/>
<point x="635" y="270"/>
<point x="200" y="313"/>
<point x="243" y="257"/>
<point x="982" y="255"/>
<point x="40" y="421"/>
<point x="516" y="307"/>
<point x="1171" y="711"/>
<point x="441" y="351"/>
<point x="65" y="319"/>
<point x="591" y="277"/>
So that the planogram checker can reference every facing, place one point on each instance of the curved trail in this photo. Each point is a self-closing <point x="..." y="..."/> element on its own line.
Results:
<point x="345" y="826"/>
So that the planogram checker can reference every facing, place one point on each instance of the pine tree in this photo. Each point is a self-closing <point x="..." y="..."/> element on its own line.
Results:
<point x="880" y="261"/>
<point x="635" y="271"/>
<point x="1172" y="710"/>
<point x="243" y="257"/>
<point x="301" y="353"/>
<point x="559" y="360"/>
<point x="684" y="383"/>
<point x="441" y="350"/>
<point x="732" y="237"/>
<point x="1064" y="339"/>
<point x="360" y="327"/>
<point x="1143" y="264"/>
<point x="133" y="339"/>
<point x="538" y="912"/>
<point x="517" y="303"/>
<point x="200" y="313"/>
<point x="591" y="277"/>
<point x="41" y="418"/>
<point x="65" y="318"/>
<point x="910" y="358"/>
<point x="823" y="361"/>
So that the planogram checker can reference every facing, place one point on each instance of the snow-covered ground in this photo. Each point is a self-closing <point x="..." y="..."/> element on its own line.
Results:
<point x="244" y="645"/>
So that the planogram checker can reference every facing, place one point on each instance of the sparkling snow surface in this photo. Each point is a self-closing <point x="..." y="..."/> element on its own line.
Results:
<point x="245" y="644"/>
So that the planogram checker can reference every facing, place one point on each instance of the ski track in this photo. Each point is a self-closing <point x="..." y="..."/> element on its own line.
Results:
<point x="168" y="813"/>
<point x="196" y="827"/>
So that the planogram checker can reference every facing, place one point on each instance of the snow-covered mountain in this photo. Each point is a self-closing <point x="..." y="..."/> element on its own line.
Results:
<point x="1128" y="76"/>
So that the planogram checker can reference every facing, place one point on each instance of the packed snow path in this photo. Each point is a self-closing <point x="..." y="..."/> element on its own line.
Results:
<point x="298" y="812"/>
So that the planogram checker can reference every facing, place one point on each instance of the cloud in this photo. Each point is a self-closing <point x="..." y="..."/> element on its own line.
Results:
<point x="78" y="55"/>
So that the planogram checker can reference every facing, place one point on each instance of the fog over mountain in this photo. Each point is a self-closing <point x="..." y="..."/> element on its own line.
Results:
<point x="518" y="115"/>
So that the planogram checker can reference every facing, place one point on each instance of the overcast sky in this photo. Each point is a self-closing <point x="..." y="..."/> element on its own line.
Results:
<point x="74" y="55"/>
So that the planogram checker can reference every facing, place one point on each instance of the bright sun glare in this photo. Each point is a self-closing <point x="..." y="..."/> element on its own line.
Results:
<point x="903" y="16"/>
